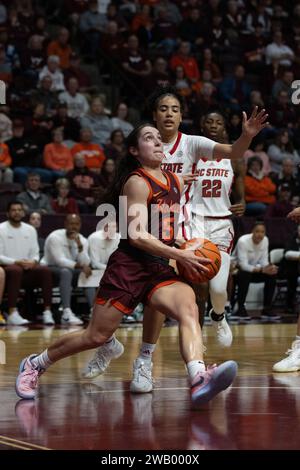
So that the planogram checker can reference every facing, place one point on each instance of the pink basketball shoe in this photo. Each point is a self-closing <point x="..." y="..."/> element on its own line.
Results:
<point x="27" y="380"/>
<point x="206" y="385"/>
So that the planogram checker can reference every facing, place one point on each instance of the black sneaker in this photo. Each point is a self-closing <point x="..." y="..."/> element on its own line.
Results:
<point x="243" y="315"/>
<point x="268" y="315"/>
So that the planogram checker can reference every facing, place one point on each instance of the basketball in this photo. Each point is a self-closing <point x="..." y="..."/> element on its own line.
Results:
<point x="205" y="249"/>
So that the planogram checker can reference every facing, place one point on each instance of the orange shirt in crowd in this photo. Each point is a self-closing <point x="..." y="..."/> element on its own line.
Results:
<point x="189" y="65"/>
<point x="58" y="157"/>
<point x="54" y="48"/>
<point x="259" y="190"/>
<point x="93" y="154"/>
<point x="5" y="158"/>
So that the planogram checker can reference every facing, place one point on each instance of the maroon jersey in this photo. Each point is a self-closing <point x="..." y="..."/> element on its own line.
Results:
<point x="163" y="205"/>
<point x="132" y="275"/>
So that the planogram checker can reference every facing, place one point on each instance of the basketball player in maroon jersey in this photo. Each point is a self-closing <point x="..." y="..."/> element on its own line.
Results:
<point x="139" y="271"/>
<point x="182" y="153"/>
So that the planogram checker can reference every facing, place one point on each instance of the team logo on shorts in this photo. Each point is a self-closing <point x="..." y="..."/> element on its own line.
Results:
<point x="179" y="154"/>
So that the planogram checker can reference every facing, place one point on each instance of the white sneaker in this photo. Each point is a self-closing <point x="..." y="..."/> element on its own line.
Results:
<point x="15" y="318"/>
<point x="292" y="362"/>
<point x="48" y="317"/>
<point x="102" y="357"/>
<point x="223" y="331"/>
<point x="142" y="377"/>
<point x="69" y="318"/>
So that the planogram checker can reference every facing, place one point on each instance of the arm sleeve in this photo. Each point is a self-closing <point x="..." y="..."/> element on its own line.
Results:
<point x="95" y="252"/>
<point x="4" y="259"/>
<point x="242" y="258"/>
<point x="83" y="257"/>
<point x="265" y="257"/>
<point x="202" y="147"/>
<point x="34" y="252"/>
<point x="58" y="255"/>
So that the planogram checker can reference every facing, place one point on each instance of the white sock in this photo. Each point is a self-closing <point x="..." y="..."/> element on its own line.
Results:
<point x="146" y="351"/>
<point x="111" y="340"/>
<point x="193" y="367"/>
<point x="41" y="361"/>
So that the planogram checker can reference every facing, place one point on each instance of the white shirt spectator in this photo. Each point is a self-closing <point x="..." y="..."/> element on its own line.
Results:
<point x="250" y="255"/>
<point x="63" y="252"/>
<point x="77" y="104"/>
<point x="18" y="243"/>
<point x="57" y="78"/>
<point x="101" y="248"/>
<point x="124" y="126"/>
<point x="275" y="52"/>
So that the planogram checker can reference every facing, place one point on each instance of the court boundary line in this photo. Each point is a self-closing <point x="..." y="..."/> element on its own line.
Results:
<point x="12" y="441"/>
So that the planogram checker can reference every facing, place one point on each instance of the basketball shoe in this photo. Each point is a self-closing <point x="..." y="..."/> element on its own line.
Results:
<point x="142" y="381"/>
<point x="291" y="363"/>
<point x="27" y="379"/>
<point x="206" y="385"/>
<point x="222" y="329"/>
<point x="102" y="357"/>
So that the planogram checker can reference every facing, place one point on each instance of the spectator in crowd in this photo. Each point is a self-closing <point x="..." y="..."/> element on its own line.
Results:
<point x="35" y="219"/>
<point x="6" y="173"/>
<point x="235" y="90"/>
<point x="287" y="176"/>
<point x="5" y="124"/>
<point x="45" y="95"/>
<point x="92" y="24"/>
<point x="19" y="254"/>
<point x="174" y="14"/>
<point x="135" y="64"/>
<point x="75" y="71"/>
<point x="284" y="83"/>
<point x="107" y="174"/>
<point x="259" y="189"/>
<point x="64" y="204"/>
<point x="120" y="120"/>
<point x="290" y="272"/>
<point x="252" y="255"/>
<point x="77" y="103"/>
<point x="33" y="59"/>
<point x="282" y="206"/>
<point x="116" y="148"/>
<point x="184" y="58"/>
<point x="96" y="120"/>
<point x="257" y="148"/>
<point x="93" y="153"/>
<point x="32" y="199"/>
<point x="26" y="155"/>
<point x="66" y="252"/>
<point x="70" y="125"/>
<point x="57" y="156"/>
<point x="281" y="149"/>
<point x="159" y="75"/>
<point x="102" y="244"/>
<point x="112" y="41"/>
<point x="2" y="286"/>
<point x="164" y="32"/>
<point x="282" y="111"/>
<point x="53" y="69"/>
<point x="83" y="184"/>
<point x="61" y="48"/>
<point x="279" y="53"/>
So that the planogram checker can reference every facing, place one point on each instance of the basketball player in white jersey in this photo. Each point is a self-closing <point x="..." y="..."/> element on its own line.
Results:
<point x="211" y="212"/>
<point x="182" y="154"/>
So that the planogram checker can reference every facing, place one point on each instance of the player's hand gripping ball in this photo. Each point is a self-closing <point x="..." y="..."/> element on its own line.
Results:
<point x="205" y="249"/>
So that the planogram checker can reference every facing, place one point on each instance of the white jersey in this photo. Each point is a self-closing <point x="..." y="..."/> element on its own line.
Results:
<point x="182" y="156"/>
<point x="212" y="189"/>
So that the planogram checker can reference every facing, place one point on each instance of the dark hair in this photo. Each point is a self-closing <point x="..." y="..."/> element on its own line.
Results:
<point x="126" y="165"/>
<point x="159" y="93"/>
<point x="254" y="159"/>
<point x="258" y="222"/>
<point x="13" y="203"/>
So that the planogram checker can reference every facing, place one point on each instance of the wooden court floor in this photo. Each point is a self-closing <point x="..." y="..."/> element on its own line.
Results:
<point x="260" y="411"/>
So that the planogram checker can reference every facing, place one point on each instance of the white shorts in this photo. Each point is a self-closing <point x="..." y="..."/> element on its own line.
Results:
<point x="218" y="231"/>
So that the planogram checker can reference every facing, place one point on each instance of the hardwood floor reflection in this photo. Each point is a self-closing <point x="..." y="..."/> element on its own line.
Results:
<point x="260" y="411"/>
